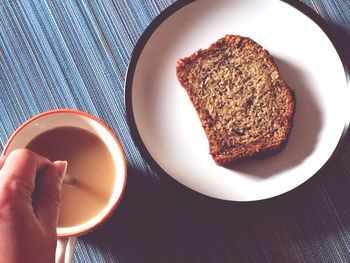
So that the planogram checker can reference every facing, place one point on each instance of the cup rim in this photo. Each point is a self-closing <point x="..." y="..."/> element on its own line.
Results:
<point x="113" y="135"/>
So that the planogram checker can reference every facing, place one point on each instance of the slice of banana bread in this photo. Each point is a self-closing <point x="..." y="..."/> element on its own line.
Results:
<point x="244" y="106"/>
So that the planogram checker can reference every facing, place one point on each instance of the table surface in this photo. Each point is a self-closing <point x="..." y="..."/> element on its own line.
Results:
<point x="74" y="54"/>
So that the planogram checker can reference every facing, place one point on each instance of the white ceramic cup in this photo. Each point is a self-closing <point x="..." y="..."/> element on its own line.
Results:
<point x="77" y="119"/>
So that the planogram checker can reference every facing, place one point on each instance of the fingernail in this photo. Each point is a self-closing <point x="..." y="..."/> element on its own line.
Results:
<point x="61" y="168"/>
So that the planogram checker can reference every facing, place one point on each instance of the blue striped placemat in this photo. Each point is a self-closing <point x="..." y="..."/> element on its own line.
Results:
<point x="74" y="54"/>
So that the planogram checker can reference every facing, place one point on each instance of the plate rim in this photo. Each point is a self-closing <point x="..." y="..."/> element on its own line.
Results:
<point x="130" y="73"/>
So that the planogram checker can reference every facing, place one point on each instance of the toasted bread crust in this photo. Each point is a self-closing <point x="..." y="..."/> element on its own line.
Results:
<point x="227" y="142"/>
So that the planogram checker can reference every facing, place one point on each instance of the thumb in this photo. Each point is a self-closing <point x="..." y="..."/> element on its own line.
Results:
<point x="49" y="193"/>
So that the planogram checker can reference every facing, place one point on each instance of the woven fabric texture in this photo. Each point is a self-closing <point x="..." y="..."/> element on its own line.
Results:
<point x="75" y="54"/>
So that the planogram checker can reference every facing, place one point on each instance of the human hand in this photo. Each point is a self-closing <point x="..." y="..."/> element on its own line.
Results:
<point x="30" y="187"/>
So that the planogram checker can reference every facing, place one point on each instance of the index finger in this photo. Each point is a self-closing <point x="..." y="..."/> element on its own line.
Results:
<point x="21" y="167"/>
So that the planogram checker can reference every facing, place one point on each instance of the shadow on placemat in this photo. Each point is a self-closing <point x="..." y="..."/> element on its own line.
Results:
<point x="157" y="223"/>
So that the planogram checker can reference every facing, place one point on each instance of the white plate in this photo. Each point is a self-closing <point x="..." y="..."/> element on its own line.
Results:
<point x="168" y="130"/>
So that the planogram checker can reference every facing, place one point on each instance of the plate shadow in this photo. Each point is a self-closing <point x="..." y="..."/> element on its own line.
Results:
<point x="305" y="131"/>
